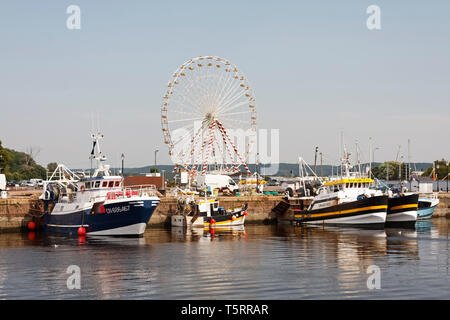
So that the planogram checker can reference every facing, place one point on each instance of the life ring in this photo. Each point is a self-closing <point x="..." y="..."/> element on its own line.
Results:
<point x="82" y="188"/>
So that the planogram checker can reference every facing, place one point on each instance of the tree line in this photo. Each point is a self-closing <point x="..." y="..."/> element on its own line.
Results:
<point x="19" y="166"/>
<point x="397" y="170"/>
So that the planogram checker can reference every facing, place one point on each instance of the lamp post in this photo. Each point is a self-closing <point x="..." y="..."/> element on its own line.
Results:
<point x="373" y="160"/>
<point x="156" y="151"/>
<point x="437" y="176"/>
<point x="447" y="174"/>
<point x="123" y="158"/>
<point x="256" y="171"/>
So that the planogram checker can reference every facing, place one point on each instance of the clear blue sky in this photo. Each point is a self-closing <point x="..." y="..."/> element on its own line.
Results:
<point x="315" y="68"/>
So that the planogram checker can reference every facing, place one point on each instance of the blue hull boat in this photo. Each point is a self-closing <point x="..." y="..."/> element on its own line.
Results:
<point x="121" y="218"/>
<point x="426" y="207"/>
<point x="96" y="205"/>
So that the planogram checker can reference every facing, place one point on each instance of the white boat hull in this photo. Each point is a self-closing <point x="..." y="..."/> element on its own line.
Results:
<point x="134" y="229"/>
<point x="404" y="216"/>
<point x="368" y="218"/>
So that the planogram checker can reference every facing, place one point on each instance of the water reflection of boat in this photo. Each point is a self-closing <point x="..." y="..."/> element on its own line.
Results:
<point x="403" y="241"/>
<point x="197" y="234"/>
<point x="424" y="226"/>
<point x="57" y="239"/>
<point x="377" y="236"/>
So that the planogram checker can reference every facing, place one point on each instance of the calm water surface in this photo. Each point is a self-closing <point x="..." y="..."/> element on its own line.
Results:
<point x="258" y="262"/>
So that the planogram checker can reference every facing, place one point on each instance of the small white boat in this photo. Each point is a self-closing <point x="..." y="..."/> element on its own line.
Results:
<point x="204" y="212"/>
<point x="427" y="206"/>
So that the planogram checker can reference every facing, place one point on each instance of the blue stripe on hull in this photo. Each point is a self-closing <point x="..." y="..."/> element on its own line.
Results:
<point x="425" y="213"/>
<point x="117" y="215"/>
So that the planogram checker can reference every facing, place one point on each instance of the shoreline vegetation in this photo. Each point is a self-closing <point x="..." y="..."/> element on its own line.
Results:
<point x="18" y="165"/>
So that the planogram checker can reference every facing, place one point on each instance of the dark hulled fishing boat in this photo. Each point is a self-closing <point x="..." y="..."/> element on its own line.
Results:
<point x="347" y="200"/>
<point x="96" y="205"/>
<point x="402" y="210"/>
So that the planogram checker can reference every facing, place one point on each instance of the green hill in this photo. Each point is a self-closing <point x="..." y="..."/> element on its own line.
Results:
<point x="19" y="165"/>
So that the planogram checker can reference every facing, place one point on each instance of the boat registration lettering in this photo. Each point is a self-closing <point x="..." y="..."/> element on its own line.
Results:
<point x="118" y="209"/>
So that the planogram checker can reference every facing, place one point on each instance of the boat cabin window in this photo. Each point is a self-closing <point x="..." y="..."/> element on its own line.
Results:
<point x="88" y="185"/>
<point x="111" y="184"/>
<point x="97" y="184"/>
<point x="104" y="184"/>
<point x="117" y="183"/>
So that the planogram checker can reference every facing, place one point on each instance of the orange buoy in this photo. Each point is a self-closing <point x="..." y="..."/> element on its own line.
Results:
<point x="31" y="225"/>
<point x="212" y="221"/>
<point x="233" y="218"/>
<point x="81" y="231"/>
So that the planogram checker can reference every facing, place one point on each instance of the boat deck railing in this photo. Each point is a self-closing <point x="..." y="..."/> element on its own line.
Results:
<point x="122" y="193"/>
<point x="130" y="191"/>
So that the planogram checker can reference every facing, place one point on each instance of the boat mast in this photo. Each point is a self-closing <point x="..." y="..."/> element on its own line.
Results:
<point x="370" y="157"/>
<point x="97" y="155"/>
<point x="409" y="161"/>
<point x="358" y="159"/>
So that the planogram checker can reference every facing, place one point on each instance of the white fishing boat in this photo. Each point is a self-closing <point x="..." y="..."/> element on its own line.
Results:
<point x="346" y="200"/>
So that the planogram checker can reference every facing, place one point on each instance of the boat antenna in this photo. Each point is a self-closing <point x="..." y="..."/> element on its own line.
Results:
<point x="358" y="158"/>
<point x="97" y="155"/>
<point x="370" y="157"/>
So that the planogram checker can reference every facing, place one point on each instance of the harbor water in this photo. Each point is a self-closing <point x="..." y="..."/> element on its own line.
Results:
<point x="257" y="262"/>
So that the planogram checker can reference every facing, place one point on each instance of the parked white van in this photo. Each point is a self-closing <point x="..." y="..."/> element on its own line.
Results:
<point x="36" y="182"/>
<point x="216" y="181"/>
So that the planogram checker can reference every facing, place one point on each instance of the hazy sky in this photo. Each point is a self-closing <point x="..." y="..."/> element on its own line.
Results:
<point x="315" y="68"/>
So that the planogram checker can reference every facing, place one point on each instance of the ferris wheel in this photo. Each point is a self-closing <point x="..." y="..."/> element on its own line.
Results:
<point x="208" y="102"/>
